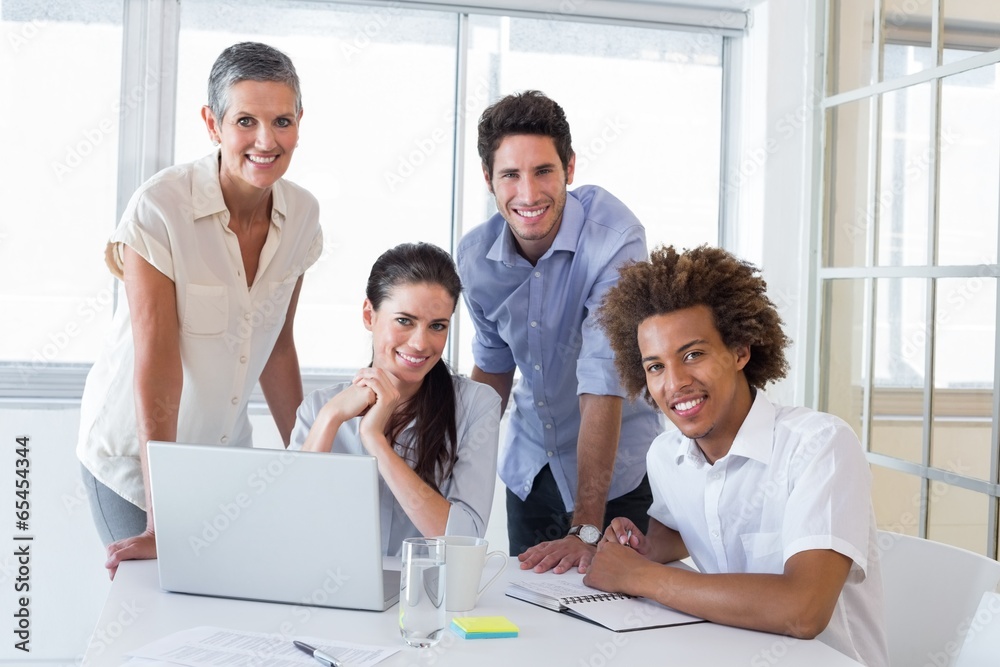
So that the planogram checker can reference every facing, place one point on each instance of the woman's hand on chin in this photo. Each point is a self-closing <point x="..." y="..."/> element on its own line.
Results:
<point x="357" y="400"/>
<point x="352" y="402"/>
<point x="373" y="425"/>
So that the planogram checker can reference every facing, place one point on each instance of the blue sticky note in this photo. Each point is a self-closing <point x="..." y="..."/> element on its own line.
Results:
<point x="483" y="627"/>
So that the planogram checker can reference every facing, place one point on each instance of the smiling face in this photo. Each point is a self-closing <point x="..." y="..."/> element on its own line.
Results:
<point x="258" y="135"/>
<point x="695" y="379"/>
<point x="409" y="331"/>
<point x="529" y="184"/>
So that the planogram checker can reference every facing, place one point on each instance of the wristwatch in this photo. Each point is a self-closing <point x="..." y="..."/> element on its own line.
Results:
<point x="587" y="533"/>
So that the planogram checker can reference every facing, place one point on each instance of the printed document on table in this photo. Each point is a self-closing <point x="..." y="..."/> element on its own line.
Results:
<point x="208" y="646"/>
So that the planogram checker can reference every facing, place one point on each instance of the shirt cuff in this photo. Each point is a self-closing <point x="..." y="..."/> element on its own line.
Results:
<point x="599" y="377"/>
<point x="492" y="360"/>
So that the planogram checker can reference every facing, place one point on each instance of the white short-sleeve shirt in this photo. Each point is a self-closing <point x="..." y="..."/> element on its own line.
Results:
<point x="469" y="489"/>
<point x="794" y="480"/>
<point x="177" y="221"/>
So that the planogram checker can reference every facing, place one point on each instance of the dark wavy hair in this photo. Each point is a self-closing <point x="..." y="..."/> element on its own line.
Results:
<point x="528" y="112"/>
<point x="670" y="281"/>
<point x="433" y="406"/>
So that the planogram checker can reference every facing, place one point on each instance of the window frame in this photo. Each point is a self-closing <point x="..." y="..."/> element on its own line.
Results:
<point x="151" y="32"/>
<point x="871" y="272"/>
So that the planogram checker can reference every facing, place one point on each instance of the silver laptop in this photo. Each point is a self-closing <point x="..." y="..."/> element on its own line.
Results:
<point x="270" y="525"/>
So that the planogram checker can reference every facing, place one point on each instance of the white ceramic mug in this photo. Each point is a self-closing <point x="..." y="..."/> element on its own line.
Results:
<point x="467" y="558"/>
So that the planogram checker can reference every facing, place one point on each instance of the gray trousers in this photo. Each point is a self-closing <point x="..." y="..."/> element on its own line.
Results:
<point x="114" y="517"/>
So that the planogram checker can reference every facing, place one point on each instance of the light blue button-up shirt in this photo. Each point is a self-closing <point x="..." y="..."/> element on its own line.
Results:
<point x="541" y="319"/>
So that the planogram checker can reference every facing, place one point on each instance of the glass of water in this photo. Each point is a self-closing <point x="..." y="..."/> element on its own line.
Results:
<point x="421" y="591"/>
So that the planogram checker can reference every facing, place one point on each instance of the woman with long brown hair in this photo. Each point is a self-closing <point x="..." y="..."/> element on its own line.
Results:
<point x="433" y="433"/>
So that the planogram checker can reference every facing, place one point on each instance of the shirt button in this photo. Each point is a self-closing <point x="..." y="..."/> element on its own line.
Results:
<point x="224" y="439"/>
<point x="246" y="316"/>
<point x="548" y="426"/>
<point x="236" y="399"/>
<point x="715" y="533"/>
<point x="538" y="274"/>
<point x="534" y="324"/>
<point x="243" y="359"/>
<point x="541" y="403"/>
<point x="527" y="487"/>
<point x="551" y="454"/>
<point x="538" y="367"/>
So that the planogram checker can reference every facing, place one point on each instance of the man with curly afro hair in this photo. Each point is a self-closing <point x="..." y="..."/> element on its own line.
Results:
<point x="773" y="504"/>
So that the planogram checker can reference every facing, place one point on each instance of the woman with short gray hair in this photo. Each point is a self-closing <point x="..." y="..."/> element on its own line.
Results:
<point x="212" y="255"/>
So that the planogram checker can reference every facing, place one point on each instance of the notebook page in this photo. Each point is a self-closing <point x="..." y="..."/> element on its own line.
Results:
<point x="613" y="611"/>
<point x="626" y="614"/>
<point x="558" y="586"/>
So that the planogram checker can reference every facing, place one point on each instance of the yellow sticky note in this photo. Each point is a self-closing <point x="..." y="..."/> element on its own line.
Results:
<point x="483" y="627"/>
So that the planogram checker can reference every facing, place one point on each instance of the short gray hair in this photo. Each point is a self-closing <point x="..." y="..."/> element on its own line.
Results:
<point x="249" y="61"/>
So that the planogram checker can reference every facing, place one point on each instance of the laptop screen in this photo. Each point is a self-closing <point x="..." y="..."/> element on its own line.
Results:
<point x="265" y="524"/>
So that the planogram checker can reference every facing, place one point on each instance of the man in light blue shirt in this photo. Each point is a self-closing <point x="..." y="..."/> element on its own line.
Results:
<point x="534" y="275"/>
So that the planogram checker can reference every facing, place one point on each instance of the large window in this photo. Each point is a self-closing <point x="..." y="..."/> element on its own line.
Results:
<point x="60" y="71"/>
<point x="392" y="134"/>
<point x="620" y="89"/>
<point x="391" y="97"/>
<point x="375" y="147"/>
<point x="909" y="258"/>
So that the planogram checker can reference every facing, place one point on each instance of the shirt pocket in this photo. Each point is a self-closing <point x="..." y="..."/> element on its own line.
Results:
<point x="275" y="309"/>
<point x="763" y="552"/>
<point x="206" y="310"/>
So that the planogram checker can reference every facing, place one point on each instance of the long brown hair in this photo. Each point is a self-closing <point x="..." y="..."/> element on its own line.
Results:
<point x="433" y="406"/>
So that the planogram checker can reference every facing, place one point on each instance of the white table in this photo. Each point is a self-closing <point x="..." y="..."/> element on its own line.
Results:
<point x="138" y="611"/>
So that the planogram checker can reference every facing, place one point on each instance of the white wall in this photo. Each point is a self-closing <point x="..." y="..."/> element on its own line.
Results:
<point x="67" y="580"/>
<point x="774" y="170"/>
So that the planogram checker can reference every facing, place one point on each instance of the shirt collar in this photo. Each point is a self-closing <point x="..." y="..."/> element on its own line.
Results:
<point x="504" y="249"/>
<point x="278" y="206"/>
<point x="688" y="449"/>
<point x="754" y="440"/>
<point x="206" y="191"/>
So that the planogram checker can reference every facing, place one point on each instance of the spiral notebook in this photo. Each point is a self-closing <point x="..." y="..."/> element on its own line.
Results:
<point x="566" y="593"/>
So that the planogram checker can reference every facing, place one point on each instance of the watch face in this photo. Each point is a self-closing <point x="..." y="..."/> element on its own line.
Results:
<point x="590" y="534"/>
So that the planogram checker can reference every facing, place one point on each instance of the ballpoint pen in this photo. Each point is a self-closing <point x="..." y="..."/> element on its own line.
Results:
<point x="320" y="656"/>
<point x="628" y="538"/>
